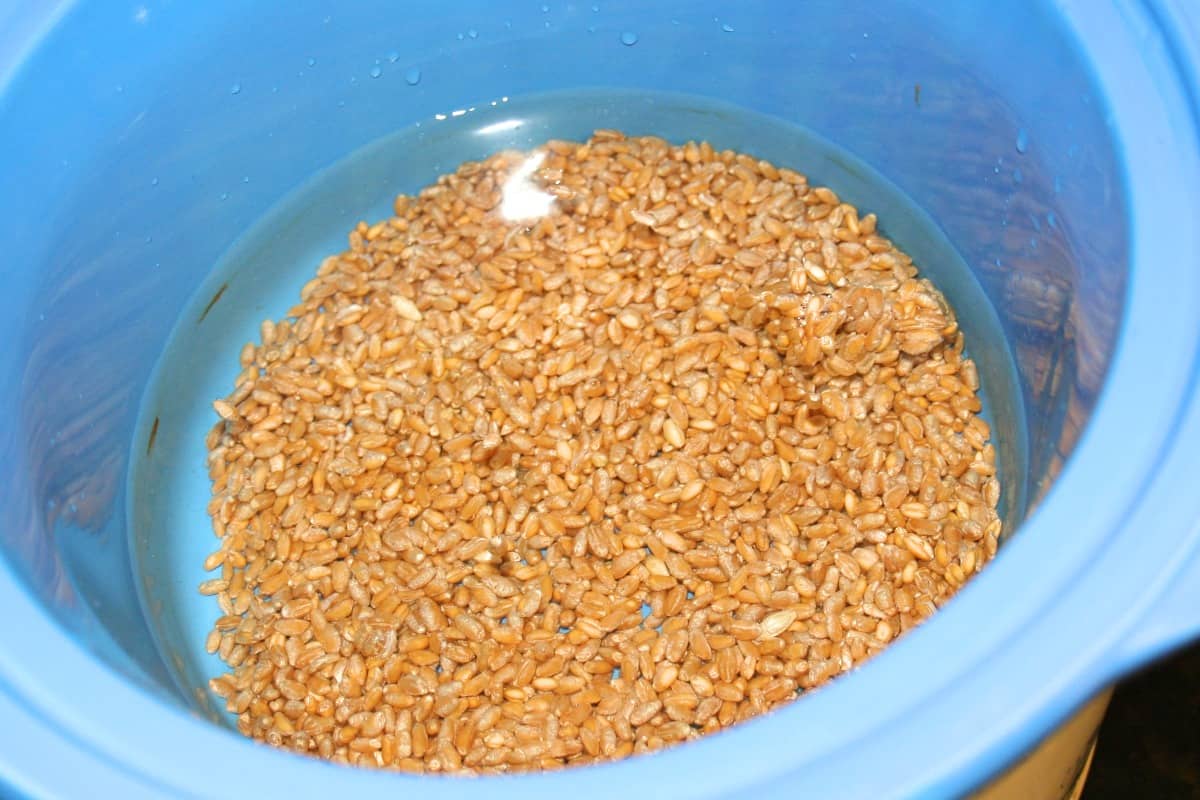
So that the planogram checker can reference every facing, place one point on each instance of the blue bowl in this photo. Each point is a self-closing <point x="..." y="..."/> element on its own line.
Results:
<point x="1056" y="144"/>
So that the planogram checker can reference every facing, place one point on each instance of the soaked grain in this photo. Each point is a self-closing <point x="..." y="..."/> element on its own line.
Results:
<point x="450" y="483"/>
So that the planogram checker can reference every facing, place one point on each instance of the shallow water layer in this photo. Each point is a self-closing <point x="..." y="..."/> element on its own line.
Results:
<point x="260" y="277"/>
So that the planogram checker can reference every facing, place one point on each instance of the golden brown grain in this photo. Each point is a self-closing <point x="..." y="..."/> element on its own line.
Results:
<point x="508" y="495"/>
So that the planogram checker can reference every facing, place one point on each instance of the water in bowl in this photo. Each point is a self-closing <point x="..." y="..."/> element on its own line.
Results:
<point x="261" y="274"/>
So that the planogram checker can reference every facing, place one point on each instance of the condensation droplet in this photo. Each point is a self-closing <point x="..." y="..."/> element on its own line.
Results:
<point x="629" y="38"/>
<point x="1022" y="141"/>
<point x="412" y="77"/>
<point x="235" y="89"/>
<point x="727" y="28"/>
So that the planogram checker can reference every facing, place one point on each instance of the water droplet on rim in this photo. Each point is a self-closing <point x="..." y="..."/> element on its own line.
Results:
<point x="412" y="77"/>
<point x="629" y="38"/>
<point x="376" y="72"/>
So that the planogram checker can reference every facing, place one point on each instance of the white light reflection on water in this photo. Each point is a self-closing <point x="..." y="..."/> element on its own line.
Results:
<point x="521" y="197"/>
<point x="500" y="127"/>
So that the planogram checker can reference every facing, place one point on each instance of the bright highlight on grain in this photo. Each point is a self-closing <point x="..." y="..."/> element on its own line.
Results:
<point x="509" y="495"/>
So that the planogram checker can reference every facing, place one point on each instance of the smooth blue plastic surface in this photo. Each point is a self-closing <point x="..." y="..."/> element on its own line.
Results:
<point x="1056" y="143"/>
